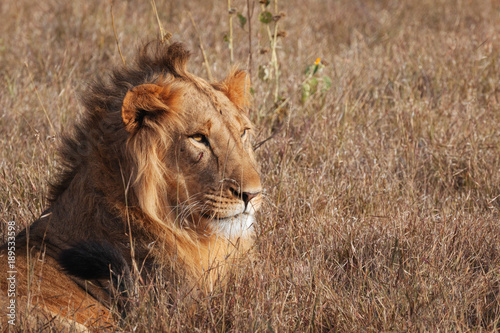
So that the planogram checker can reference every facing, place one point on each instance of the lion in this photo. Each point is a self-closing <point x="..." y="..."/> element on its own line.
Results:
<point x="160" y="172"/>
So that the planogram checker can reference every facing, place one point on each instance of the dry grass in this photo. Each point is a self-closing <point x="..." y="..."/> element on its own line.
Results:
<point x="382" y="195"/>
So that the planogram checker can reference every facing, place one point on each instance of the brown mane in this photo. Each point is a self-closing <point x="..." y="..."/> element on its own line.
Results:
<point x="105" y="96"/>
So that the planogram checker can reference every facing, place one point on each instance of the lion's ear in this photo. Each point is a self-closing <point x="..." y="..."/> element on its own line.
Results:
<point x="147" y="103"/>
<point x="236" y="86"/>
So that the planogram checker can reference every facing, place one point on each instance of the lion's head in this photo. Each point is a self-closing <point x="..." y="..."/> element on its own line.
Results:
<point x="190" y="143"/>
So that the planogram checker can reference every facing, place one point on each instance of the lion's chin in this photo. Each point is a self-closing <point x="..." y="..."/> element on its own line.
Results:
<point x="236" y="226"/>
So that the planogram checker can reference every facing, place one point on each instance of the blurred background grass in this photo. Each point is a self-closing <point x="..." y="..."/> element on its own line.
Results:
<point x="382" y="188"/>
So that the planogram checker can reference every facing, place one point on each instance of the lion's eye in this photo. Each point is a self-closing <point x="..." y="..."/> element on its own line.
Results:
<point x="244" y="133"/>
<point x="200" y="138"/>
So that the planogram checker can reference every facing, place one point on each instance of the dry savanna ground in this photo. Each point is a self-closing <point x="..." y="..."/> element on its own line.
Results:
<point x="382" y="209"/>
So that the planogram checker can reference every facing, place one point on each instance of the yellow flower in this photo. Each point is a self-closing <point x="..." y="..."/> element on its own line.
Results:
<point x="317" y="61"/>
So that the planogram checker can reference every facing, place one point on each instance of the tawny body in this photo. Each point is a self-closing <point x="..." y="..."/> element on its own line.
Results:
<point x="45" y="296"/>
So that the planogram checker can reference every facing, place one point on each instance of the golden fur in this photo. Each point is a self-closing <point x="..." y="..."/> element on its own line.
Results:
<point x="161" y="168"/>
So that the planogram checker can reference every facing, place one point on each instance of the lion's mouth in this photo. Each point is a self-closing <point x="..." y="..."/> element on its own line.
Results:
<point x="215" y="218"/>
<point x="234" y="226"/>
<point x="233" y="217"/>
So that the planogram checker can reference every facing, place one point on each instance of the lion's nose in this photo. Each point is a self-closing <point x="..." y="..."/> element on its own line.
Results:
<point x="247" y="196"/>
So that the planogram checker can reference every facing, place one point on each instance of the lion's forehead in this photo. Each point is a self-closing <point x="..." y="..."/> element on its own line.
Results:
<point x="213" y="111"/>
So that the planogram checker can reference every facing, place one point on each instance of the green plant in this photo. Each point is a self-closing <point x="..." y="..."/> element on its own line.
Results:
<point x="315" y="85"/>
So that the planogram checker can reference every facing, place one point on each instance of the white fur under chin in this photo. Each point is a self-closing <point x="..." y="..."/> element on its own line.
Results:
<point x="237" y="226"/>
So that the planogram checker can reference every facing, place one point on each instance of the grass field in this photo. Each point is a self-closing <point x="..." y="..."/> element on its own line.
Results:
<point x="382" y="209"/>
